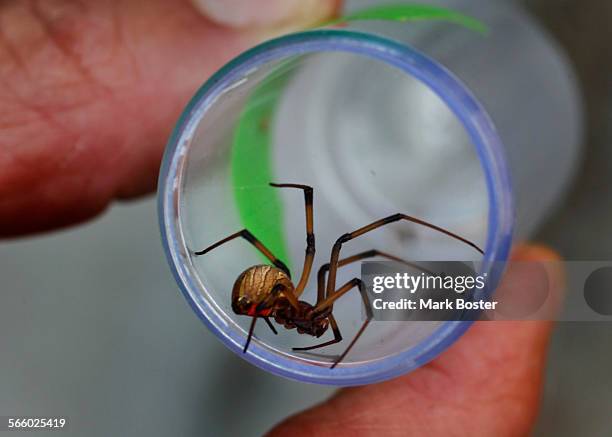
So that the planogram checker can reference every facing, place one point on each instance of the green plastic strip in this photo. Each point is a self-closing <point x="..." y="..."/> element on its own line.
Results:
<point x="259" y="205"/>
<point x="413" y="13"/>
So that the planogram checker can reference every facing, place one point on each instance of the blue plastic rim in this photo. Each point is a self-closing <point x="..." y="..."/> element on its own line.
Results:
<point x="456" y="96"/>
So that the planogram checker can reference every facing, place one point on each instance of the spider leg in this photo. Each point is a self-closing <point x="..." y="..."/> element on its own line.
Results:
<point x="352" y="343"/>
<point x="251" y="330"/>
<point x="321" y="294"/>
<point x="248" y="236"/>
<point x="310" y="237"/>
<point x="269" y="323"/>
<point x="358" y="257"/>
<point x="337" y="337"/>
<point x="331" y="318"/>
<point x="356" y="282"/>
<point x="331" y="280"/>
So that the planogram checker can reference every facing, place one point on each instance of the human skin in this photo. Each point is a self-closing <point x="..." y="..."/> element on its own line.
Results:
<point x="89" y="92"/>
<point x="487" y="384"/>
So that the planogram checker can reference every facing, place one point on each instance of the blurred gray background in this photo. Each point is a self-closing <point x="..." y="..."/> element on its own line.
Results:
<point x="92" y="325"/>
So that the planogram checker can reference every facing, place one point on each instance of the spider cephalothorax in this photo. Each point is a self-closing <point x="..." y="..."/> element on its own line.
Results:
<point x="266" y="292"/>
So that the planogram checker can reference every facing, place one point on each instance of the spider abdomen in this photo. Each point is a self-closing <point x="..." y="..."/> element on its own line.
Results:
<point x="252" y="292"/>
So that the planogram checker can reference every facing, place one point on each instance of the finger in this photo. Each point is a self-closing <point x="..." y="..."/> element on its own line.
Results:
<point x="263" y="13"/>
<point x="488" y="383"/>
<point x="89" y="92"/>
<point x="529" y="291"/>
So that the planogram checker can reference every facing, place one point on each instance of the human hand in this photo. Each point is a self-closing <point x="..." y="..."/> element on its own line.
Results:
<point x="90" y="90"/>
<point x="89" y="94"/>
<point x="487" y="384"/>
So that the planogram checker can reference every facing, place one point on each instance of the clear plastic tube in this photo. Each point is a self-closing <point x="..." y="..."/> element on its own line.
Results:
<point x="197" y="189"/>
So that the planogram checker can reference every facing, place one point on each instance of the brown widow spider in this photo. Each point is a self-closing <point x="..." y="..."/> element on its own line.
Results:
<point x="265" y="291"/>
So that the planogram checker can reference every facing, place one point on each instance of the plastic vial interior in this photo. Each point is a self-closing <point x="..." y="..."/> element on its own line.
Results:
<point x="372" y="140"/>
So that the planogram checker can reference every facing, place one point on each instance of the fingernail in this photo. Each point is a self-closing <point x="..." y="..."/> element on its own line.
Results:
<point x="532" y="287"/>
<point x="267" y="13"/>
<point x="534" y="252"/>
<point x="547" y="256"/>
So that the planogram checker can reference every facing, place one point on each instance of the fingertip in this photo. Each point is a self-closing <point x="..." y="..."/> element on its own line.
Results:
<point x="533" y="286"/>
<point x="550" y="259"/>
<point x="268" y="14"/>
<point x="534" y="252"/>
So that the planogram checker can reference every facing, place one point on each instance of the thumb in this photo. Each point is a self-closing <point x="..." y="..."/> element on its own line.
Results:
<point x="266" y="13"/>
<point x="89" y="92"/>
